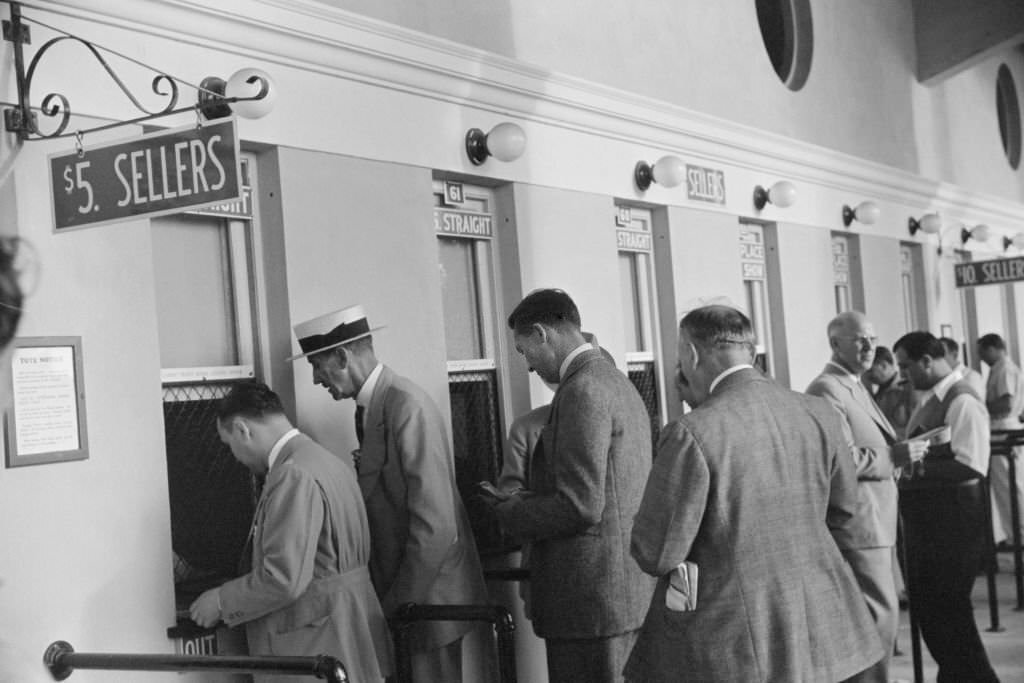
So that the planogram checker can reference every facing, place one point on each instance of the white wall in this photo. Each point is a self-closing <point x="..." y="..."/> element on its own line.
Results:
<point x="86" y="554"/>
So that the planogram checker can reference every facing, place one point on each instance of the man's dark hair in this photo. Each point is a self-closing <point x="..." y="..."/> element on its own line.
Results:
<point x="551" y="307"/>
<point x="992" y="341"/>
<point x="717" y="327"/>
<point x="882" y="353"/>
<point x="249" y="399"/>
<point x="917" y="345"/>
<point x="951" y="346"/>
<point x="11" y="294"/>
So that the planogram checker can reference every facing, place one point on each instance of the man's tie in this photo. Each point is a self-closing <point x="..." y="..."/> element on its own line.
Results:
<point x="357" y="454"/>
<point x="359" y="423"/>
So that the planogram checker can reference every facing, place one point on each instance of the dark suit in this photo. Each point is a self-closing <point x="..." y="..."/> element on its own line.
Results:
<point x="423" y="549"/>
<point x="310" y="540"/>
<point x="867" y="542"/>
<point x="596" y="455"/>
<point x="746" y="486"/>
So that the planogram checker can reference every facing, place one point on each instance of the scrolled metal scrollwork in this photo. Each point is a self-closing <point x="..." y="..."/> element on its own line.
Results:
<point x="51" y="108"/>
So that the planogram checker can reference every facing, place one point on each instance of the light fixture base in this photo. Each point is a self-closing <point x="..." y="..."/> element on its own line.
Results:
<point x="848" y="215"/>
<point x="1007" y="243"/>
<point x="965" y="235"/>
<point x="476" y="146"/>
<point x="211" y="98"/>
<point x="913" y="226"/>
<point x="643" y="175"/>
<point x="760" y="197"/>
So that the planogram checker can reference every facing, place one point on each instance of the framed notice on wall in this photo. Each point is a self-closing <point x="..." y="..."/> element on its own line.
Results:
<point x="46" y="418"/>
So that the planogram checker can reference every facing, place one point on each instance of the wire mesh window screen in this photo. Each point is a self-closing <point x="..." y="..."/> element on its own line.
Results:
<point x="477" y="437"/>
<point x="644" y="378"/>
<point x="212" y="495"/>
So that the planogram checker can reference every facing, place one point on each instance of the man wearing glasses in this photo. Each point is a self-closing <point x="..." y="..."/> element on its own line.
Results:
<point x="867" y="540"/>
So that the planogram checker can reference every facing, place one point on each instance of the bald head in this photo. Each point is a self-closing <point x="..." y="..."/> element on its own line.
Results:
<point x="851" y="336"/>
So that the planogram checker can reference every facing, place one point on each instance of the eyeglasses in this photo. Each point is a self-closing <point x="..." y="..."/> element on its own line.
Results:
<point x="862" y="340"/>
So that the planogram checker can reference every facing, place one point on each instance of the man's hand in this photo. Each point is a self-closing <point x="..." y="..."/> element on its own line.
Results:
<point x="906" y="452"/>
<point x="205" y="611"/>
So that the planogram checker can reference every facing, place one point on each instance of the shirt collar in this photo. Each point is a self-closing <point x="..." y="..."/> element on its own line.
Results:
<point x="943" y="385"/>
<point x="278" y="445"/>
<point x="366" y="391"/>
<point x="725" y="373"/>
<point x="843" y="370"/>
<point x="585" y="346"/>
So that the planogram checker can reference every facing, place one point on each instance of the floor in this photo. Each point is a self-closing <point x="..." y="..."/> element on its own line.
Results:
<point x="1005" y="648"/>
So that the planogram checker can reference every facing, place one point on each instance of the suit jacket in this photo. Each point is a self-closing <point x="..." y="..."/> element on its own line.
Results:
<point x="423" y="548"/>
<point x="595" y="458"/>
<point x="309" y="591"/>
<point x="745" y="486"/>
<point x="874" y="523"/>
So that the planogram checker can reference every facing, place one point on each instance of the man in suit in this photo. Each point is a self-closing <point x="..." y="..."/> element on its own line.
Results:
<point x="423" y="548"/>
<point x="745" y="487"/>
<point x="867" y="542"/>
<point x="942" y="502"/>
<point x="309" y="590"/>
<point x="595" y="455"/>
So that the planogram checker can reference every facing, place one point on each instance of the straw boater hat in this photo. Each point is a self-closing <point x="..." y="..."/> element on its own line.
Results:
<point x="331" y="330"/>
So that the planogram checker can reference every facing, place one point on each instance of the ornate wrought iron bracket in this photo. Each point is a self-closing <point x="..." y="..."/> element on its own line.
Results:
<point x="211" y="101"/>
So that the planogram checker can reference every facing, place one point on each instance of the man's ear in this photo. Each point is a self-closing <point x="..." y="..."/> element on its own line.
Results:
<point x="342" y="355"/>
<point x="543" y="334"/>
<point x="696" y="355"/>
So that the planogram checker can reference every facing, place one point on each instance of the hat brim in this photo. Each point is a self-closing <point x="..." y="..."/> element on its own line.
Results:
<point x="334" y="346"/>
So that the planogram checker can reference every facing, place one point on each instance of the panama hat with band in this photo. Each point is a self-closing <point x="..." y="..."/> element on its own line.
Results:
<point x="331" y="330"/>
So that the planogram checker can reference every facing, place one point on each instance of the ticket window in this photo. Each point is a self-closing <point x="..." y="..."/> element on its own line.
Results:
<point x="468" y="263"/>
<point x="912" y="289"/>
<point x="847" y="286"/>
<point x="639" y="298"/>
<point x="755" y="287"/>
<point x="206" y="273"/>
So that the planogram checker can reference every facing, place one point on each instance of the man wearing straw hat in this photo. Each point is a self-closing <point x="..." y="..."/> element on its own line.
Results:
<point x="422" y="547"/>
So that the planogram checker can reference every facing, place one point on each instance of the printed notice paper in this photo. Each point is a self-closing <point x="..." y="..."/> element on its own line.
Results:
<point x="45" y="399"/>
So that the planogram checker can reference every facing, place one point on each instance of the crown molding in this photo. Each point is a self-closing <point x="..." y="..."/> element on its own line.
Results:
<point x="318" y="38"/>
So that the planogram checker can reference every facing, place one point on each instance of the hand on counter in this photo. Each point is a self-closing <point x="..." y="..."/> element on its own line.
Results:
<point x="205" y="611"/>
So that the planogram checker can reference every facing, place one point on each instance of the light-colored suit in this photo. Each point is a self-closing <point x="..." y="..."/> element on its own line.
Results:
<point x="746" y="486"/>
<point x="874" y="524"/>
<point x="596" y="456"/>
<point x="867" y="542"/>
<point x="523" y="436"/>
<point x="309" y="592"/>
<point x="423" y="549"/>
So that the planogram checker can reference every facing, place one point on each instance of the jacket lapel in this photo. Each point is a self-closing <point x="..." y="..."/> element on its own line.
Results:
<point x="862" y="397"/>
<point x="374" y="451"/>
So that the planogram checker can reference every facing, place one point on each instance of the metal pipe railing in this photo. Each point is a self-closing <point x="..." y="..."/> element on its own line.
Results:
<point x="61" y="659"/>
<point x="496" y="615"/>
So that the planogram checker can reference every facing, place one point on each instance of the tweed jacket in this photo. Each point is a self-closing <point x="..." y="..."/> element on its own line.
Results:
<point x="594" y="458"/>
<point x="423" y="548"/>
<point x="874" y="523"/>
<point x="309" y="592"/>
<point x="745" y="486"/>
